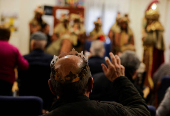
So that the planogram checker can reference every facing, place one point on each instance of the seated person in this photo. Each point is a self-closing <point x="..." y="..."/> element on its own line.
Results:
<point x="33" y="82"/>
<point x="164" y="107"/>
<point x="10" y="58"/>
<point x="131" y="62"/>
<point x="72" y="83"/>
<point x="97" y="51"/>
<point x="163" y="70"/>
<point x="97" y="33"/>
<point x="102" y="89"/>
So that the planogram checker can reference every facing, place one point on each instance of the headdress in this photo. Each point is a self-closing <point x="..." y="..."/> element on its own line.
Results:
<point x="98" y="22"/>
<point x="39" y="9"/>
<point x="152" y="10"/>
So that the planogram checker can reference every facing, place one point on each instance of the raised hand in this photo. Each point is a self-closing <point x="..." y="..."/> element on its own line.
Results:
<point x="115" y="69"/>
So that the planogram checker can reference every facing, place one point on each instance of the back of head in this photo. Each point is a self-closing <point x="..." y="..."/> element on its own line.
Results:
<point x="70" y="74"/>
<point x="4" y="33"/>
<point x="38" y="40"/>
<point x="130" y="61"/>
<point x="97" y="48"/>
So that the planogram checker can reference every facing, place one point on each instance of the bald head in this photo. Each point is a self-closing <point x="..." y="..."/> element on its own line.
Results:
<point x="67" y="64"/>
<point x="70" y="75"/>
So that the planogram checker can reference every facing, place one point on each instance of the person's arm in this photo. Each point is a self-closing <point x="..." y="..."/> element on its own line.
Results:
<point x="21" y="62"/>
<point x="127" y="95"/>
<point x="164" y="107"/>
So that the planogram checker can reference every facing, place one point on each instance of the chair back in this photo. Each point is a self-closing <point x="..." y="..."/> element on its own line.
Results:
<point x="165" y="83"/>
<point x="152" y="110"/>
<point x="21" y="106"/>
<point x="34" y="82"/>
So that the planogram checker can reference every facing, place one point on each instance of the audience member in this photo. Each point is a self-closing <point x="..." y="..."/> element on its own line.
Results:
<point x="46" y="29"/>
<point x="164" y="107"/>
<point x="33" y="82"/>
<point x="72" y="83"/>
<point x="163" y="70"/>
<point x="102" y="88"/>
<point x="10" y="58"/>
<point x="131" y="62"/>
<point x="97" y="53"/>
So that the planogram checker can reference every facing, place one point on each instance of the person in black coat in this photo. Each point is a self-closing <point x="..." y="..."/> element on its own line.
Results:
<point x="72" y="83"/>
<point x="34" y="81"/>
<point x="102" y="89"/>
<point x="97" y="51"/>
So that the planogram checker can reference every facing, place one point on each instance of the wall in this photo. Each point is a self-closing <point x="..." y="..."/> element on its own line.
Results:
<point x="25" y="9"/>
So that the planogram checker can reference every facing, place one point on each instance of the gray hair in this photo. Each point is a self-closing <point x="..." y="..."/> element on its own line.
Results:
<point x="97" y="48"/>
<point x="130" y="59"/>
<point x="38" y="44"/>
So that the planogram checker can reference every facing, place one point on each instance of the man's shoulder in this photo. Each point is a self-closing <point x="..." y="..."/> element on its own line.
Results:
<point x="86" y="108"/>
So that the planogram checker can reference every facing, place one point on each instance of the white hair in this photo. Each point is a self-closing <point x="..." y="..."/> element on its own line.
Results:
<point x="97" y="48"/>
<point x="38" y="44"/>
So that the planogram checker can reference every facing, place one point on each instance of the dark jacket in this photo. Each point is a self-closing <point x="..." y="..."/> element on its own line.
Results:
<point x="130" y="103"/>
<point x="95" y="64"/>
<point x="103" y="89"/>
<point x="34" y="81"/>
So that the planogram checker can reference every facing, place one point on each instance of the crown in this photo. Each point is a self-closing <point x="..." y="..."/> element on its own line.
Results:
<point x="71" y="77"/>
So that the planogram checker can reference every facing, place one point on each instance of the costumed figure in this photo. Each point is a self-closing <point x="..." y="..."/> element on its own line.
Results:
<point x="115" y="28"/>
<point x="77" y="32"/>
<point x="97" y="33"/>
<point x="153" y="42"/>
<point x="62" y="28"/>
<point x="61" y="37"/>
<point x="36" y="23"/>
<point x="122" y="38"/>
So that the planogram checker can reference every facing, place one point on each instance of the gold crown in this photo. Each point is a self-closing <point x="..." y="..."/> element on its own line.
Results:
<point x="152" y="12"/>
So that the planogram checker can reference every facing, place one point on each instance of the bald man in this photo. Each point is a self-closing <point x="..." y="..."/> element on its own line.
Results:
<point x="72" y="83"/>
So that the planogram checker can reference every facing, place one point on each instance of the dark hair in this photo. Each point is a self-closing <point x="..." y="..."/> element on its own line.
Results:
<point x="71" y="89"/>
<point x="4" y="33"/>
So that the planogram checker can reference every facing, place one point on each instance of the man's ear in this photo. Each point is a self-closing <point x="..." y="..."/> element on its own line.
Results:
<point x="51" y="87"/>
<point x="90" y="85"/>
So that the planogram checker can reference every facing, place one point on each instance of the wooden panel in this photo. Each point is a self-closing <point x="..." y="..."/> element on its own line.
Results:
<point x="71" y="10"/>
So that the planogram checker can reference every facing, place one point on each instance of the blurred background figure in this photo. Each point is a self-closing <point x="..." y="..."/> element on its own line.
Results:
<point x="113" y="30"/>
<point x="115" y="27"/>
<point x="46" y="29"/>
<point x="10" y="58"/>
<point x="36" y="23"/>
<point x="33" y="82"/>
<point x="122" y="38"/>
<point x="97" y="51"/>
<point x="153" y="42"/>
<point x="78" y="32"/>
<point x="97" y="33"/>
<point x="62" y="28"/>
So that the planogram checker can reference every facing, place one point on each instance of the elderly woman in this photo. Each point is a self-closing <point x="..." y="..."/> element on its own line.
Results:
<point x="10" y="58"/>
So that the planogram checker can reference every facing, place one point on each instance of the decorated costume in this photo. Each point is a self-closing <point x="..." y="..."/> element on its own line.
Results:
<point x="37" y="22"/>
<point x="153" y="42"/>
<point x="122" y="36"/>
<point x="97" y="33"/>
<point x="63" y="27"/>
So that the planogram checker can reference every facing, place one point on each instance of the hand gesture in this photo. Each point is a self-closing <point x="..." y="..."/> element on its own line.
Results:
<point x="115" y="69"/>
